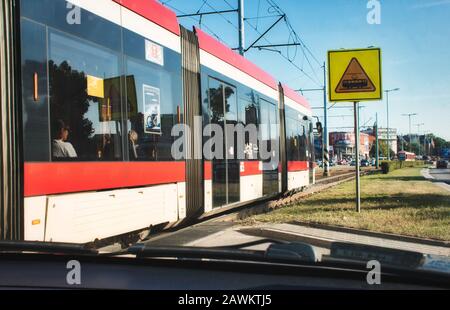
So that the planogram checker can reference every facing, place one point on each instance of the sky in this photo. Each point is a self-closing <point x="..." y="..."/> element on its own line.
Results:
<point x="414" y="36"/>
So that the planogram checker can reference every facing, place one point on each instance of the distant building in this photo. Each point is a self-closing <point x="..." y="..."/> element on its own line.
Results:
<point x="382" y="136"/>
<point x="343" y="144"/>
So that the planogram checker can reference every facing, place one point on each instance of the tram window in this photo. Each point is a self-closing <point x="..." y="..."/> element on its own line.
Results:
<point x="153" y="97"/>
<point x="85" y="100"/>
<point x="231" y="118"/>
<point x="265" y="121"/>
<point x="292" y="140"/>
<point x="248" y="115"/>
<point x="34" y="79"/>
<point x="215" y="94"/>
<point x="274" y="121"/>
<point x="230" y="104"/>
<point x="303" y="139"/>
<point x="58" y="14"/>
<point x="216" y="111"/>
<point x="269" y="121"/>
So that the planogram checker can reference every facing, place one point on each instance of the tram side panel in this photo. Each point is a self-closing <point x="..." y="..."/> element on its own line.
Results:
<point x="234" y="94"/>
<point x="118" y="174"/>
<point x="91" y="170"/>
<point x="298" y="140"/>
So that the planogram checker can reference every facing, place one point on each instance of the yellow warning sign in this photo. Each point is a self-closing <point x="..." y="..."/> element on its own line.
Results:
<point x="354" y="75"/>
<point x="95" y="87"/>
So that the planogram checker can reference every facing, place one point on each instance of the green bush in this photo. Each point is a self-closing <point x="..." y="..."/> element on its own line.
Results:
<point x="389" y="166"/>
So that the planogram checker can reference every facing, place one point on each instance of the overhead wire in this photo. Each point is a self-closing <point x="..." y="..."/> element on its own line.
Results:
<point x="197" y="21"/>
<point x="274" y="10"/>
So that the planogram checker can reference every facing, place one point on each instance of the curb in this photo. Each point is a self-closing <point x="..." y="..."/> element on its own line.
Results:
<point x="432" y="242"/>
<point x="270" y="233"/>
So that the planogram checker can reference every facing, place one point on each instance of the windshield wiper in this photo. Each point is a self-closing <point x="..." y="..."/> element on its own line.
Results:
<point x="46" y="247"/>
<point x="292" y="253"/>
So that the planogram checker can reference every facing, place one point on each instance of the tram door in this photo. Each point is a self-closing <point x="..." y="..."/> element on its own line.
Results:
<point x="269" y="133"/>
<point x="225" y="165"/>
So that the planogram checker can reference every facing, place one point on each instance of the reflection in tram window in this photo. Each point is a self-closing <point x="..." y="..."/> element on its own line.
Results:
<point x="303" y="142"/>
<point x="248" y="115"/>
<point x="223" y="110"/>
<point x="297" y="135"/>
<point x="153" y="100"/>
<point x="219" y="165"/>
<point x="85" y="94"/>
<point x="35" y="110"/>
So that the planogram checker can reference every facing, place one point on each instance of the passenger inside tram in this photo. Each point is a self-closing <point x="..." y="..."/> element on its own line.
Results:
<point x="108" y="148"/>
<point x="133" y="138"/>
<point x="60" y="147"/>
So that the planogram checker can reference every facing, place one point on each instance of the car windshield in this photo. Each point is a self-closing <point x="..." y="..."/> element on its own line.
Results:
<point x="284" y="132"/>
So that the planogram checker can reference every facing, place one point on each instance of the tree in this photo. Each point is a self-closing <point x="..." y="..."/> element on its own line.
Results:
<point x="70" y="102"/>
<point x="216" y="102"/>
<point x="383" y="149"/>
<point x="439" y="145"/>
<point x="415" y="148"/>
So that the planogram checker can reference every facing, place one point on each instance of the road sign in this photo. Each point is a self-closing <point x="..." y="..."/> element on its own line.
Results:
<point x="354" y="75"/>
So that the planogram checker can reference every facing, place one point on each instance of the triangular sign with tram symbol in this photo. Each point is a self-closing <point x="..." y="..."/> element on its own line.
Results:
<point x="355" y="79"/>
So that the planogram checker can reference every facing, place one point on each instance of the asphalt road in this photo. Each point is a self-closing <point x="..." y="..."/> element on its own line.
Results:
<point x="441" y="175"/>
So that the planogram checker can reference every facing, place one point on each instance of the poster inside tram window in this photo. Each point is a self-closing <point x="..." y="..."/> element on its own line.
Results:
<point x="152" y="109"/>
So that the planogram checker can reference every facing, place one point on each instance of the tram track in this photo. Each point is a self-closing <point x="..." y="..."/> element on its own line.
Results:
<point x="228" y="217"/>
<point x="225" y="216"/>
<point x="288" y="199"/>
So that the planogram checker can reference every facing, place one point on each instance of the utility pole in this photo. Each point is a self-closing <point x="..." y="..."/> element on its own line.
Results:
<point x="326" y="153"/>
<point x="388" y="129"/>
<point x="357" y="144"/>
<point x="377" y="156"/>
<point x="425" y="142"/>
<point x="403" y="142"/>
<point x="325" y="140"/>
<point x="410" y="137"/>
<point x="418" y="135"/>
<point x="241" y="28"/>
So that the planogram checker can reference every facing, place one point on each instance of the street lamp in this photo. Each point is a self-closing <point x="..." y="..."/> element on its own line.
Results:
<point x="418" y="134"/>
<point x="387" y="107"/>
<point x="426" y="146"/>
<point x="409" y="116"/>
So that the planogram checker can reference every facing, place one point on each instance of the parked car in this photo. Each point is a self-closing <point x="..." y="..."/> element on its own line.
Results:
<point x="365" y="163"/>
<point x="342" y="162"/>
<point x="442" y="164"/>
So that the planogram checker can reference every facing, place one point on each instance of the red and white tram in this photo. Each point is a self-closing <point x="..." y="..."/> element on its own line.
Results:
<point x="406" y="156"/>
<point x="98" y="87"/>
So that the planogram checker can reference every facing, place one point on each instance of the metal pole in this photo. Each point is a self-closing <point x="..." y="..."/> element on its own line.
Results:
<point x="357" y="143"/>
<point x="425" y="144"/>
<point x="403" y="142"/>
<point x="241" y="28"/>
<point x="326" y="154"/>
<point x="418" y="137"/>
<point x="410" y="141"/>
<point x="377" y="157"/>
<point x="388" y="138"/>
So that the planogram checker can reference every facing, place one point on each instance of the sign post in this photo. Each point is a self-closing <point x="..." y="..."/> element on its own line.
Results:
<point x="357" y="144"/>
<point x="377" y="156"/>
<point x="354" y="76"/>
